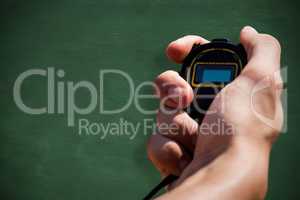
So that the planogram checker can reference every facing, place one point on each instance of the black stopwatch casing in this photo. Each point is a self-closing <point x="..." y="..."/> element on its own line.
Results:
<point x="208" y="68"/>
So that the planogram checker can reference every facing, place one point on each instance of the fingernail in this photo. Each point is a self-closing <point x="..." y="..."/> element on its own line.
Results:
<point x="180" y="40"/>
<point x="249" y="28"/>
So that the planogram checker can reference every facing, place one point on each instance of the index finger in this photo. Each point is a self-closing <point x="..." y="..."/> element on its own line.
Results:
<point x="180" y="48"/>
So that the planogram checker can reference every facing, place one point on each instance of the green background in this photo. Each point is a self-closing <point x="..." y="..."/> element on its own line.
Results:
<point x="42" y="158"/>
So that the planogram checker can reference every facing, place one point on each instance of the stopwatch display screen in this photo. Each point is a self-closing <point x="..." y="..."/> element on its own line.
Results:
<point x="214" y="73"/>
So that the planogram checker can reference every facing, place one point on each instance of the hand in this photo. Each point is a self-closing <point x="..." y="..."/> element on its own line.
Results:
<point x="227" y="156"/>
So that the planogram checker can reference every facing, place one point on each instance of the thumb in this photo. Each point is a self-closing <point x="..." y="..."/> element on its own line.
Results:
<point x="263" y="52"/>
<point x="248" y="37"/>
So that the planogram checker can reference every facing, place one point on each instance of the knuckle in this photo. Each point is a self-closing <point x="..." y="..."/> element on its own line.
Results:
<point x="260" y="70"/>
<point x="166" y="124"/>
<point x="178" y="120"/>
<point x="167" y="73"/>
<point x="256" y="74"/>
<point x="163" y="77"/>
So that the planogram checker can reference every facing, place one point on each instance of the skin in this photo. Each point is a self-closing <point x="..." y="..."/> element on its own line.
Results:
<point x="234" y="163"/>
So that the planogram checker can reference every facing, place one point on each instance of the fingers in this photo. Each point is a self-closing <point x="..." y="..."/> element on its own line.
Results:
<point x="167" y="155"/>
<point x="170" y="83"/>
<point x="263" y="54"/>
<point x="179" y="49"/>
<point x="173" y="90"/>
<point x="180" y="127"/>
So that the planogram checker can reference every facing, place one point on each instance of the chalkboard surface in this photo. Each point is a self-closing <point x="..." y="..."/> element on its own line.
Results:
<point x="43" y="157"/>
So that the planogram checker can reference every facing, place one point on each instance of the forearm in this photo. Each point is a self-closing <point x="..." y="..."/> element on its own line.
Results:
<point x="239" y="173"/>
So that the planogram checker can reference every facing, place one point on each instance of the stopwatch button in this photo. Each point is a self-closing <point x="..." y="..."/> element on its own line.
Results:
<point x="223" y="40"/>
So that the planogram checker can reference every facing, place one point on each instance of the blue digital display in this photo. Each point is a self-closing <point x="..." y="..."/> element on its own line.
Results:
<point x="211" y="75"/>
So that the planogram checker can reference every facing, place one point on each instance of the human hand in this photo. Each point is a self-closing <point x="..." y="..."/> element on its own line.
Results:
<point x="231" y="162"/>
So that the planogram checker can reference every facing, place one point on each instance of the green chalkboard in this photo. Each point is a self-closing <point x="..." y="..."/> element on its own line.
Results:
<point x="42" y="157"/>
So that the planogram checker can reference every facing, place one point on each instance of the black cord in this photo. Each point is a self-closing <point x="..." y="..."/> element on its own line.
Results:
<point x="166" y="181"/>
